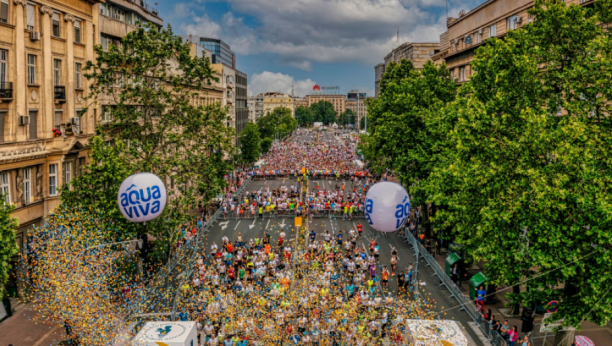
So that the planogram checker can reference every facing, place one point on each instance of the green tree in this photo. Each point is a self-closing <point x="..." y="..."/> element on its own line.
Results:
<point x="399" y="136"/>
<point x="8" y="246"/>
<point x="97" y="187"/>
<point x="304" y="116"/>
<point x="151" y="80"/>
<point x="277" y="124"/>
<point x="266" y="144"/>
<point x="527" y="168"/>
<point x="362" y="123"/>
<point x="324" y="112"/>
<point x="347" y="118"/>
<point x="250" y="143"/>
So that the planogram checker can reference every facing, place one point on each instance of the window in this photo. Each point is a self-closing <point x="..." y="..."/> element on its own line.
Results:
<point x="5" y="187"/>
<point x="31" y="19"/>
<point x="477" y="37"/>
<point x="58" y="118"/>
<point x="468" y="39"/>
<point x="31" y="69"/>
<point x="53" y="179"/>
<point x="530" y="18"/>
<point x="512" y="22"/>
<point x="81" y="165"/>
<point x="77" y="31"/>
<point x="77" y="75"/>
<point x="493" y="30"/>
<point x="2" y="118"/>
<point x="56" y="24"/>
<point x="27" y="185"/>
<point x="4" y="7"/>
<point x="33" y="124"/>
<point x="57" y="69"/>
<point x="3" y="54"/>
<point x="67" y="172"/>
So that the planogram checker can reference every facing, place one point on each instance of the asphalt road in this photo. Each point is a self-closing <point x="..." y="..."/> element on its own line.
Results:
<point x="250" y="228"/>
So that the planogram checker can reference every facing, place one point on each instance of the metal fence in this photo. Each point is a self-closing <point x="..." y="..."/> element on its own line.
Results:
<point x="466" y="303"/>
<point x="163" y="293"/>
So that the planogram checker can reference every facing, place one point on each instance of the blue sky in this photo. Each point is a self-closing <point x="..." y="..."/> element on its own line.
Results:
<point x="280" y="43"/>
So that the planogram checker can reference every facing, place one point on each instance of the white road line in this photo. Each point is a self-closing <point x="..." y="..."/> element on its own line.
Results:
<point x="267" y="223"/>
<point x="237" y="224"/>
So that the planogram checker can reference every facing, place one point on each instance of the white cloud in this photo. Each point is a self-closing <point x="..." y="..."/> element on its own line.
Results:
<point x="304" y="65"/>
<point x="272" y="81"/>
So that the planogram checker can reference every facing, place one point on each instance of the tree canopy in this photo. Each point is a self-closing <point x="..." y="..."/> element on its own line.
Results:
<point x="277" y="124"/>
<point x="519" y="158"/>
<point x="324" y="112"/>
<point x="8" y="246"/>
<point x="348" y="117"/>
<point x="304" y="116"/>
<point x="250" y="143"/>
<point x="148" y="86"/>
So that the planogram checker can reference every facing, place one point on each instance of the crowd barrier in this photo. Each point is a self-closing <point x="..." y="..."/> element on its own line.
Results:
<point x="466" y="303"/>
<point x="175" y="273"/>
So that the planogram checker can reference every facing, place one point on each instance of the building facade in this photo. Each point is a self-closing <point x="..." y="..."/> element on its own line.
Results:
<point x="379" y="71"/>
<point x="256" y="107"/>
<point x="338" y="101"/>
<point x="242" y="109"/>
<point x="221" y="51"/>
<point x="300" y="102"/>
<point x="44" y="46"/>
<point x="493" y="18"/>
<point x="418" y="53"/>
<point x="274" y="100"/>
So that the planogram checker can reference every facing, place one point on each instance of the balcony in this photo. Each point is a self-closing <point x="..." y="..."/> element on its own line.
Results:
<point x="59" y="93"/>
<point x="6" y="91"/>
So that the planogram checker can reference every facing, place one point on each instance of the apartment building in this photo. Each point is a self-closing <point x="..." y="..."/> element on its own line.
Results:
<point x="276" y="99"/>
<point x="337" y="100"/>
<point x="493" y="18"/>
<point x="356" y="102"/>
<point x="300" y="102"/>
<point x="256" y="107"/>
<point x="242" y="108"/>
<point x="418" y="53"/>
<point x="44" y="46"/>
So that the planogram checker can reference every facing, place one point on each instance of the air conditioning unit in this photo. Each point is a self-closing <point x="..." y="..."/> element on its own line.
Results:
<point x="35" y="36"/>
<point x="24" y="120"/>
<point x="75" y="121"/>
<point x="518" y="20"/>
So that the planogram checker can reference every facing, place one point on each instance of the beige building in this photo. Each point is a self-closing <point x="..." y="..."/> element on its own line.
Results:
<point x="276" y="99"/>
<point x="418" y="53"/>
<point x="227" y="77"/>
<point x="357" y="106"/>
<point x="300" y="101"/>
<point x="256" y="107"/>
<point x="44" y="46"/>
<point x="493" y="18"/>
<point x="337" y="100"/>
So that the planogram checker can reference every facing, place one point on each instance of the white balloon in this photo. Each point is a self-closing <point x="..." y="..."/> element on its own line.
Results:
<point x="387" y="206"/>
<point x="142" y="197"/>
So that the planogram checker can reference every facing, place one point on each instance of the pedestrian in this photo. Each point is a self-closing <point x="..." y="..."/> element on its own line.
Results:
<point x="512" y="336"/>
<point x="480" y="296"/>
<point x="455" y="273"/>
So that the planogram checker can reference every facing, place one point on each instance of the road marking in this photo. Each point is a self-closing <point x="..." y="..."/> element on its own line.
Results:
<point x="282" y="225"/>
<point x="267" y="223"/>
<point x="253" y="224"/>
<point x="237" y="224"/>
<point x="223" y="225"/>
<point x="46" y="335"/>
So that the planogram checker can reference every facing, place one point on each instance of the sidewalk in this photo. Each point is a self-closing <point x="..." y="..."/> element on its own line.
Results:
<point x="20" y="330"/>
<point x="600" y="335"/>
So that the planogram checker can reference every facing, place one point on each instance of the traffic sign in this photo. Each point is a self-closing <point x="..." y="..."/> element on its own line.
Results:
<point x="552" y="306"/>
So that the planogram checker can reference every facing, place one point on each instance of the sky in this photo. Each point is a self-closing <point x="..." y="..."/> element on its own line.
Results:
<point x="300" y="43"/>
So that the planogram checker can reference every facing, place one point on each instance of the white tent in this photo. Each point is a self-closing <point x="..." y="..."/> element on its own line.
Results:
<point x="167" y="334"/>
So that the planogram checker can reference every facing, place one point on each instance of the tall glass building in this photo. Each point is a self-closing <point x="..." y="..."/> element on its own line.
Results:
<point x="222" y="54"/>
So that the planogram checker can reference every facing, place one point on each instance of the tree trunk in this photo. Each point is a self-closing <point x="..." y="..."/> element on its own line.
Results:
<point x="564" y="338"/>
<point x="514" y="310"/>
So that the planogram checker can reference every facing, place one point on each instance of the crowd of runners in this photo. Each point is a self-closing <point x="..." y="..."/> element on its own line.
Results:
<point x="320" y="159"/>
<point x="324" y="290"/>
